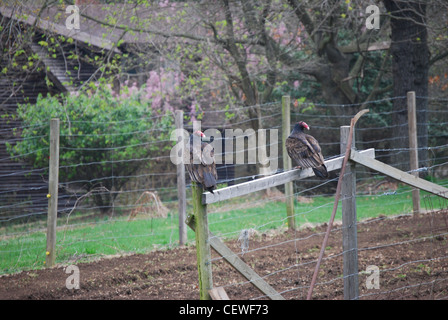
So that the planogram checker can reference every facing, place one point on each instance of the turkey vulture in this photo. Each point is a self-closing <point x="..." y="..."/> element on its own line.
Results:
<point x="201" y="164"/>
<point x="305" y="150"/>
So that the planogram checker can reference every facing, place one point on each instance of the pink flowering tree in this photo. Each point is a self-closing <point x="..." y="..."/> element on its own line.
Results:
<point x="220" y="53"/>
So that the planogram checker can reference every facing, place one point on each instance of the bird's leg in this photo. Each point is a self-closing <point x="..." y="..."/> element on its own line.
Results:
<point x="297" y="167"/>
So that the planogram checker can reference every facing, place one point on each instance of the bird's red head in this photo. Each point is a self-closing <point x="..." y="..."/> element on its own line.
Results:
<point x="200" y="134"/>
<point x="304" y="125"/>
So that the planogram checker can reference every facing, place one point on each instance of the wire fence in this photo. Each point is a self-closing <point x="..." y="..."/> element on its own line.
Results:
<point x="140" y="213"/>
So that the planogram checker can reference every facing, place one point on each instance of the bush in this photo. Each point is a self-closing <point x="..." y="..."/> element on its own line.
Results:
<point x="102" y="136"/>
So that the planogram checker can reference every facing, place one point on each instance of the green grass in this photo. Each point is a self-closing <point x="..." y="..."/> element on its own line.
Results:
<point x="107" y="237"/>
<point x="24" y="248"/>
<point x="271" y="215"/>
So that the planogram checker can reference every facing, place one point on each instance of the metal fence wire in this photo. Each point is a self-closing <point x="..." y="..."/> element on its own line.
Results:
<point x="410" y="263"/>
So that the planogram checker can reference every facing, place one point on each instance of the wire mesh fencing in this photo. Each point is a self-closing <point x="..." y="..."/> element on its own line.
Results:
<point x="123" y="203"/>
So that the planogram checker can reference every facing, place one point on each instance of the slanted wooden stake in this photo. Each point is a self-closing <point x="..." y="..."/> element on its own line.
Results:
<point x="336" y="200"/>
<point x="218" y="294"/>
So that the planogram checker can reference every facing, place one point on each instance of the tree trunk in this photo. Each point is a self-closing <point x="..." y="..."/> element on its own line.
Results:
<point x="335" y="90"/>
<point x="410" y="65"/>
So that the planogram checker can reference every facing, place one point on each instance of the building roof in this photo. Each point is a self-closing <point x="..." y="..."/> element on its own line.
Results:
<point x="49" y="21"/>
<point x="105" y="25"/>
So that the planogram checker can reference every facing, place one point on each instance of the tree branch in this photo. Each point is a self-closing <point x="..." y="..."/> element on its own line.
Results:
<point x="303" y="17"/>
<point x="231" y="46"/>
<point x="438" y="57"/>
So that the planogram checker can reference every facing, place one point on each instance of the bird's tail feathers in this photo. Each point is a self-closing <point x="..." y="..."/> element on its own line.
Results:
<point x="209" y="181"/>
<point x="321" y="172"/>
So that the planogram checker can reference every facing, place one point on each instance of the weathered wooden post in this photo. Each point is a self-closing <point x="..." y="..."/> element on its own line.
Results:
<point x="289" y="190"/>
<point x="203" y="250"/>
<point x="52" y="195"/>
<point x="413" y="152"/>
<point x="181" y="193"/>
<point x="347" y="155"/>
<point x="349" y="220"/>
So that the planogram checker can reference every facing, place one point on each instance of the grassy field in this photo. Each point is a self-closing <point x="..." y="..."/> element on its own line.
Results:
<point x="87" y="238"/>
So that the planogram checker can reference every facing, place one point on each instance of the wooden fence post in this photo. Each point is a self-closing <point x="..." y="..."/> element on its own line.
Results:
<point x="53" y="182"/>
<point x="202" y="243"/>
<point x="181" y="193"/>
<point x="349" y="220"/>
<point x="289" y="190"/>
<point x="413" y="152"/>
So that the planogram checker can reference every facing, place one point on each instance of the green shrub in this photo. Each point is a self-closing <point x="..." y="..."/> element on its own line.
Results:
<point x="102" y="136"/>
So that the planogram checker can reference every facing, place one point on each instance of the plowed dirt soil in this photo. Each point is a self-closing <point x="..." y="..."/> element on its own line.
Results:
<point x="410" y="251"/>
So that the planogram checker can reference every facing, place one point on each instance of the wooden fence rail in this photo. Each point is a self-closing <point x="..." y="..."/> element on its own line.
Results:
<point x="198" y="221"/>
<point x="399" y="175"/>
<point x="273" y="181"/>
<point x="199" y="224"/>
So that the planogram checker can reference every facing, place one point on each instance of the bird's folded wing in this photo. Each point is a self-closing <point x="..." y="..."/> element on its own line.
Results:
<point x="302" y="153"/>
<point x="317" y="152"/>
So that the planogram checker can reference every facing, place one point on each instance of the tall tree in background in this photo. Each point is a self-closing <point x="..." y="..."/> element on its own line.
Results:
<point x="410" y="65"/>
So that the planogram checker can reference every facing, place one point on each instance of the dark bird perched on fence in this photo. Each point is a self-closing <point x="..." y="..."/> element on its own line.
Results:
<point x="305" y="150"/>
<point x="201" y="164"/>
